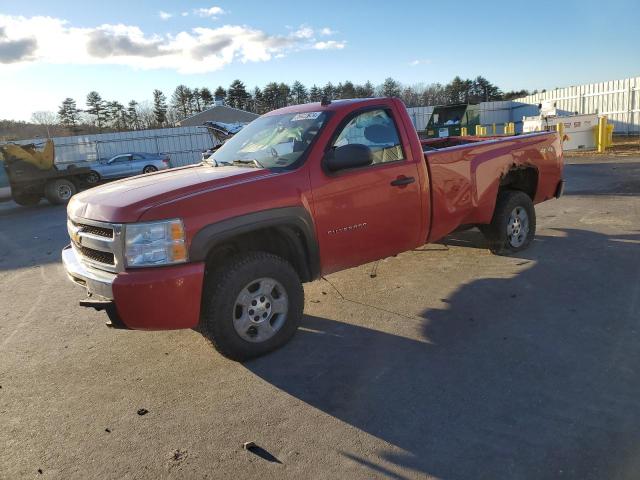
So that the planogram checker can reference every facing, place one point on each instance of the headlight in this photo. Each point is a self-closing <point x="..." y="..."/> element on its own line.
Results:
<point x="155" y="243"/>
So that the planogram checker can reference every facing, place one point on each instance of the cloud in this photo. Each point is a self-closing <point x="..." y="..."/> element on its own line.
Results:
<point x="326" y="31"/>
<point x="303" y="32"/>
<point x="12" y="51"/>
<point x="164" y="15"/>
<point x="329" y="45"/>
<point x="185" y="14"/>
<point x="212" y="12"/>
<point x="49" y="40"/>
<point x="415" y="63"/>
<point x="123" y="42"/>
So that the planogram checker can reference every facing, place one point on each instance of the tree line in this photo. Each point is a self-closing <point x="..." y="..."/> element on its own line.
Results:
<point x="185" y="101"/>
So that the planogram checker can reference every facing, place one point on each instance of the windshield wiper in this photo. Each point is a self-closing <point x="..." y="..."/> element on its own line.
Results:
<point x="250" y="161"/>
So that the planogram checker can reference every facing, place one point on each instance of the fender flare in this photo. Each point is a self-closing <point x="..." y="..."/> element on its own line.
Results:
<point x="289" y="219"/>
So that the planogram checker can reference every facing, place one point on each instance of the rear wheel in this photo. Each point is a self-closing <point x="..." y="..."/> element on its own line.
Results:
<point x="252" y="305"/>
<point x="513" y="225"/>
<point x="26" y="199"/>
<point x="59" y="191"/>
<point x="149" y="169"/>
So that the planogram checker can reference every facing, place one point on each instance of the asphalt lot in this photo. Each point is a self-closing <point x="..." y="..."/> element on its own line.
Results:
<point x="448" y="363"/>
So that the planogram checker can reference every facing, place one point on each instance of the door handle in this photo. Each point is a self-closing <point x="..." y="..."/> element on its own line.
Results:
<point x="401" y="181"/>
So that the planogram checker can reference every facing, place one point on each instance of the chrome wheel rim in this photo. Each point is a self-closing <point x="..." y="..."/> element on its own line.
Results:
<point x="518" y="227"/>
<point x="260" y="310"/>
<point x="64" y="192"/>
<point x="148" y="169"/>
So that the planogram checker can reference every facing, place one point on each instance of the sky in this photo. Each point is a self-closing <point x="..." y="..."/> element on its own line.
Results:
<point x="50" y="50"/>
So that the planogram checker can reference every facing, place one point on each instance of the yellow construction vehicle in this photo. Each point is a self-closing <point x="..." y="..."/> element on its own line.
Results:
<point x="28" y="173"/>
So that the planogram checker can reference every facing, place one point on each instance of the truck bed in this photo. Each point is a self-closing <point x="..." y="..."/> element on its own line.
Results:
<point x="466" y="173"/>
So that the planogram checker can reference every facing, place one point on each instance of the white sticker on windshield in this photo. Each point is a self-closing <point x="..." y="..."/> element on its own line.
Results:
<point x="306" y="116"/>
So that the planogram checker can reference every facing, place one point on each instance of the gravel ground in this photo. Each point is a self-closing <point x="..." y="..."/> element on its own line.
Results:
<point x="444" y="362"/>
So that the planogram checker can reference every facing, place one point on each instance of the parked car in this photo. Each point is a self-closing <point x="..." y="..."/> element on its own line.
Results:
<point x="301" y="192"/>
<point x="127" y="165"/>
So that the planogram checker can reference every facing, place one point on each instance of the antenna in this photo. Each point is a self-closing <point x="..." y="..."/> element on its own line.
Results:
<point x="325" y="101"/>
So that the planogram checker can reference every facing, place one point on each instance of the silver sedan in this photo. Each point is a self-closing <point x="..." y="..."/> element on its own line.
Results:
<point x="127" y="165"/>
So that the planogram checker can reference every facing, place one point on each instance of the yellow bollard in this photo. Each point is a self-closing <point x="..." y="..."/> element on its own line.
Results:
<point x="560" y="130"/>
<point x="609" y="134"/>
<point x="494" y="128"/>
<point x="463" y="131"/>
<point x="602" y="134"/>
<point x="478" y="130"/>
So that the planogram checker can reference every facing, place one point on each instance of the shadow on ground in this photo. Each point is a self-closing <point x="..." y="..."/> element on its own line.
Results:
<point x="533" y="376"/>
<point x="31" y="236"/>
<point x="609" y="178"/>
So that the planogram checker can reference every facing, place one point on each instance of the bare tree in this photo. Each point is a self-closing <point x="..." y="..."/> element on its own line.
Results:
<point x="44" y="118"/>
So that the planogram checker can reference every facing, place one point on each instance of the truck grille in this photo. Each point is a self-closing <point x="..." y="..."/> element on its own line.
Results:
<point x="96" y="255"/>
<point x="95" y="230"/>
<point x="98" y="244"/>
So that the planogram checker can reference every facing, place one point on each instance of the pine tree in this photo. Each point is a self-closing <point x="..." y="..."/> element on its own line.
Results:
<point x="116" y="115"/>
<point x="133" y="119"/>
<point x="284" y="92"/>
<point x="348" y="90"/>
<point x="196" y="101"/>
<point x="68" y="113"/>
<point x="258" y="102"/>
<point x="220" y="93"/>
<point x="391" y="88"/>
<point x="97" y="108"/>
<point x="207" y="98"/>
<point x="299" y="93"/>
<point x="159" y="107"/>
<point x="237" y="95"/>
<point x="315" y="94"/>
<point x="181" y="101"/>
<point x="329" y="91"/>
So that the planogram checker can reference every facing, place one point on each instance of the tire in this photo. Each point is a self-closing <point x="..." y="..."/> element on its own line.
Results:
<point x="26" y="199"/>
<point x="242" y="317"/>
<point x="513" y="225"/>
<point x="59" y="191"/>
<point x="92" y="178"/>
<point x="149" y="169"/>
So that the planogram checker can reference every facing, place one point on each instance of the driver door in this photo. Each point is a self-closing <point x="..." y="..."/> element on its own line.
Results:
<point x="119" y="166"/>
<point x="371" y="212"/>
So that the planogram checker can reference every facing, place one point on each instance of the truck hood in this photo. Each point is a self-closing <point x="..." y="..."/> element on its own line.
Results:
<point x="126" y="200"/>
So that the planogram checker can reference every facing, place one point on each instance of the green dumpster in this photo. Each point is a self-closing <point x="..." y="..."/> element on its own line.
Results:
<point x="447" y="120"/>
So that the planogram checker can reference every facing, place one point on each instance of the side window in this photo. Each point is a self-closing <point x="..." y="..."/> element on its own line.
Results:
<point x="138" y="158"/>
<point x="376" y="130"/>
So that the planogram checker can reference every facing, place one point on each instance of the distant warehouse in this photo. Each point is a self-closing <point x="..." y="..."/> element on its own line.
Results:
<point x="218" y="113"/>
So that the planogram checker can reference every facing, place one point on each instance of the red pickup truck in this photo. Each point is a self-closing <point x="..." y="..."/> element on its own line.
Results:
<point x="224" y="246"/>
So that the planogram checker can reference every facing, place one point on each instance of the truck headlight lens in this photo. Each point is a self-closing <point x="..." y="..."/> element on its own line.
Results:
<point x="155" y="243"/>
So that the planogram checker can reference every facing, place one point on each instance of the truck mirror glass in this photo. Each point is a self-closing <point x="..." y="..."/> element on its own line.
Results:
<point x="348" y="156"/>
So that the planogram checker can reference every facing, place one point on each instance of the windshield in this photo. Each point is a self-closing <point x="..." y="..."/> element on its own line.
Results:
<point x="272" y="141"/>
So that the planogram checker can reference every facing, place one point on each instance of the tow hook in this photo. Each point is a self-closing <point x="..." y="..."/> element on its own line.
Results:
<point x="99" y="305"/>
<point x="108" y="306"/>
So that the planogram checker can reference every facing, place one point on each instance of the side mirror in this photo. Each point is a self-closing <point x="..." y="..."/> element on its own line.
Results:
<point x="348" y="156"/>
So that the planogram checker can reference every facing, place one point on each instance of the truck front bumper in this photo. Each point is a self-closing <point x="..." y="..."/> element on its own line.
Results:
<point x="157" y="298"/>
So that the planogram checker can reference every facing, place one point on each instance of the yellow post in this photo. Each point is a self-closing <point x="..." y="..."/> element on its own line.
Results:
<point x="494" y="128"/>
<point x="560" y="129"/>
<point x="602" y="134"/>
<point x="478" y="130"/>
<point x="463" y="131"/>
<point x="609" y="134"/>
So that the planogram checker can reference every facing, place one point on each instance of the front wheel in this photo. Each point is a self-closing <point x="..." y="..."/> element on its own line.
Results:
<point x="149" y="169"/>
<point x="513" y="225"/>
<point x="60" y="191"/>
<point x="252" y="305"/>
